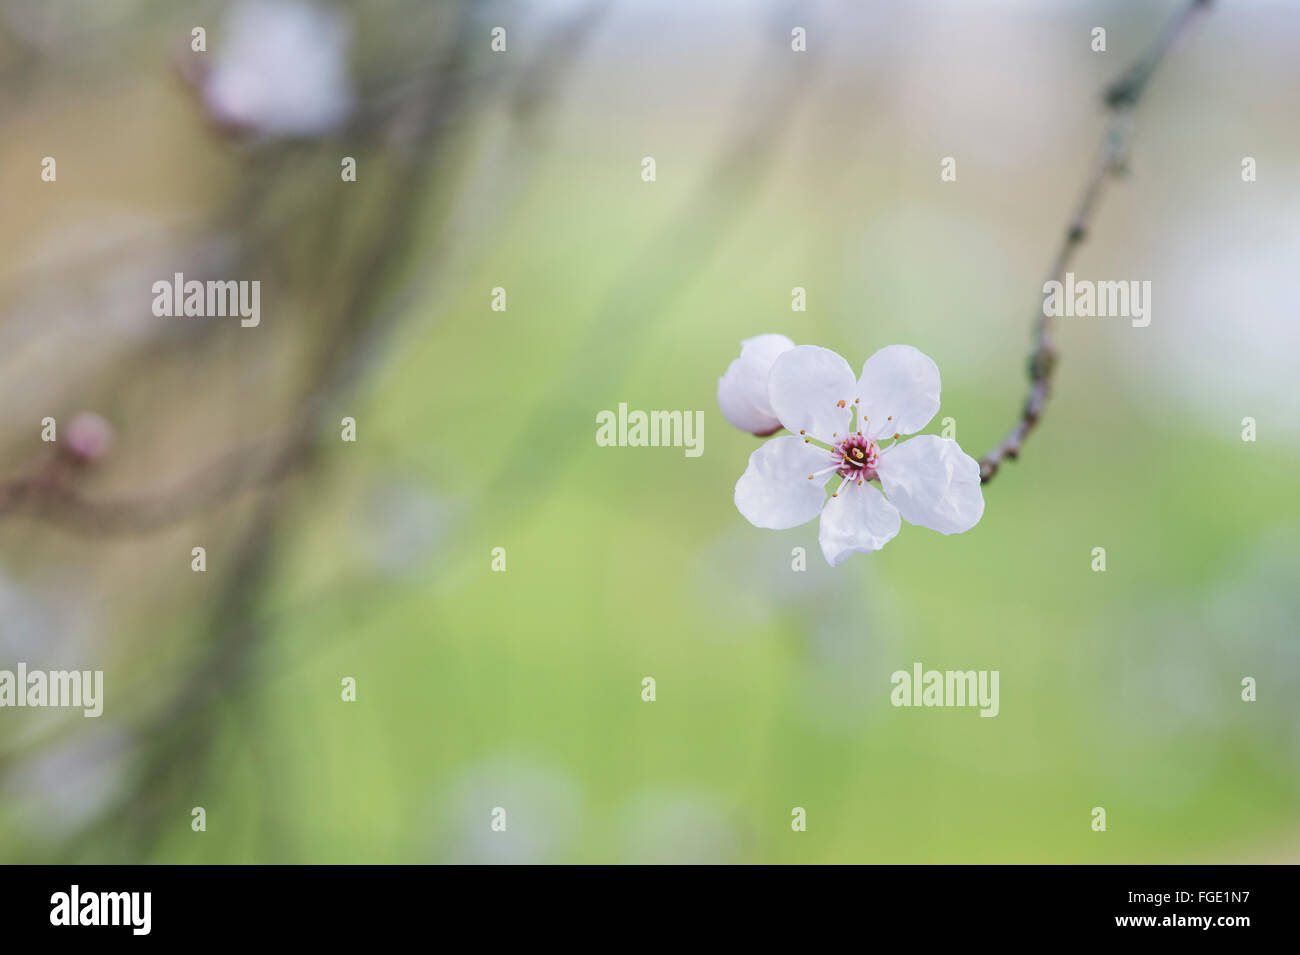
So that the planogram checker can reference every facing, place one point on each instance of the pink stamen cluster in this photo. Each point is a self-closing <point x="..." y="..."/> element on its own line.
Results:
<point x="856" y="458"/>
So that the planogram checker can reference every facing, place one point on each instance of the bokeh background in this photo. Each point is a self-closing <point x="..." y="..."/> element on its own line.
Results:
<point x="475" y="430"/>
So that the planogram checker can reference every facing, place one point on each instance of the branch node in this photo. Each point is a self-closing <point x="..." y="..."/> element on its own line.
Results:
<point x="1042" y="363"/>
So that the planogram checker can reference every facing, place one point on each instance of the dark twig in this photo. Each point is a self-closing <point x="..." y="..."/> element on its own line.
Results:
<point x="1121" y="98"/>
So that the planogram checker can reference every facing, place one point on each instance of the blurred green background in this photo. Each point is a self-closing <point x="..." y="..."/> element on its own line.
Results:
<point x="476" y="430"/>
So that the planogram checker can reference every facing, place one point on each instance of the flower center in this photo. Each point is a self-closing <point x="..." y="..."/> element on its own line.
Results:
<point x="856" y="457"/>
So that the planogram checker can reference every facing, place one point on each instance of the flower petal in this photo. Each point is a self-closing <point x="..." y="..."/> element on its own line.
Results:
<point x="775" y="492"/>
<point x="762" y="350"/>
<point x="805" y="388"/>
<point x="857" y="521"/>
<point x="742" y="391"/>
<point x="735" y="401"/>
<point x="899" y="389"/>
<point x="282" y="69"/>
<point x="933" y="483"/>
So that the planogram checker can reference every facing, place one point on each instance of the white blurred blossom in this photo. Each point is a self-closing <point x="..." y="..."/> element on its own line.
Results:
<point x="70" y="782"/>
<point x="402" y="526"/>
<point x="281" y="69"/>
<point x="541" y="804"/>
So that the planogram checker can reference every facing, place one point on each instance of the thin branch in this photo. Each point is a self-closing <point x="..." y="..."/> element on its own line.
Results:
<point x="50" y="493"/>
<point x="1121" y="98"/>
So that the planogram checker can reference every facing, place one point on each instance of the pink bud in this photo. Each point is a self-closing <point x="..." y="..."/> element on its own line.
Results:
<point x="88" y="436"/>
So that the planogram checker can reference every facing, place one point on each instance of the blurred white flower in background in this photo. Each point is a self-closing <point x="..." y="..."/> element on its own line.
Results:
<point x="40" y="626"/>
<point x="70" y="782"/>
<point x="281" y="69"/>
<point x="402" y="526"/>
<point x="49" y="622"/>
<point x="541" y="807"/>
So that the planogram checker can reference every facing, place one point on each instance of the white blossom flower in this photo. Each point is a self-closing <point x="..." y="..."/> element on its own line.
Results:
<point x="928" y="481"/>
<point x="742" y="391"/>
<point x="281" y="70"/>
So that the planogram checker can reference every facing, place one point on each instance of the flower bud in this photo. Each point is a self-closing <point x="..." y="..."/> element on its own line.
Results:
<point x="88" y="437"/>
<point x="742" y="391"/>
